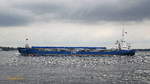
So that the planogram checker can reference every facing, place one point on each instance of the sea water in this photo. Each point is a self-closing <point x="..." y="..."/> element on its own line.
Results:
<point x="17" y="69"/>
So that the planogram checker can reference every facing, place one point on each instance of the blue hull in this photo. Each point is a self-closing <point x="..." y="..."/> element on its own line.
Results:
<point x="38" y="52"/>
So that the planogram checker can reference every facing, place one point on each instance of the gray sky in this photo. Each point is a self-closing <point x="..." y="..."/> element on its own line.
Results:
<point x="74" y="22"/>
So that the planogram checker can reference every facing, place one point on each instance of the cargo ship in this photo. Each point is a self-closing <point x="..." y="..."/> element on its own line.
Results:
<point x="121" y="48"/>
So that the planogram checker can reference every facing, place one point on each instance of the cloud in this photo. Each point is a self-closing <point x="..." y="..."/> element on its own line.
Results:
<point x="13" y="19"/>
<point x="86" y="11"/>
<point x="10" y="16"/>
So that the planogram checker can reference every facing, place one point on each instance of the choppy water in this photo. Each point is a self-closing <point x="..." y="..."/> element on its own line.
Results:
<point x="16" y="69"/>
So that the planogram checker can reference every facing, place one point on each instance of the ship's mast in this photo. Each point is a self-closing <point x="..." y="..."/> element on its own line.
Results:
<point x="123" y="35"/>
<point x="122" y="43"/>
<point x="27" y="43"/>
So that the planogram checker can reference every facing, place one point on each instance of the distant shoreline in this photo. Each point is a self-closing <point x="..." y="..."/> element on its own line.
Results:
<point x="142" y="49"/>
<point x="8" y="48"/>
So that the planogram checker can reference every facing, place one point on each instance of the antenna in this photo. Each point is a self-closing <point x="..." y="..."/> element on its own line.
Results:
<point x="123" y="32"/>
